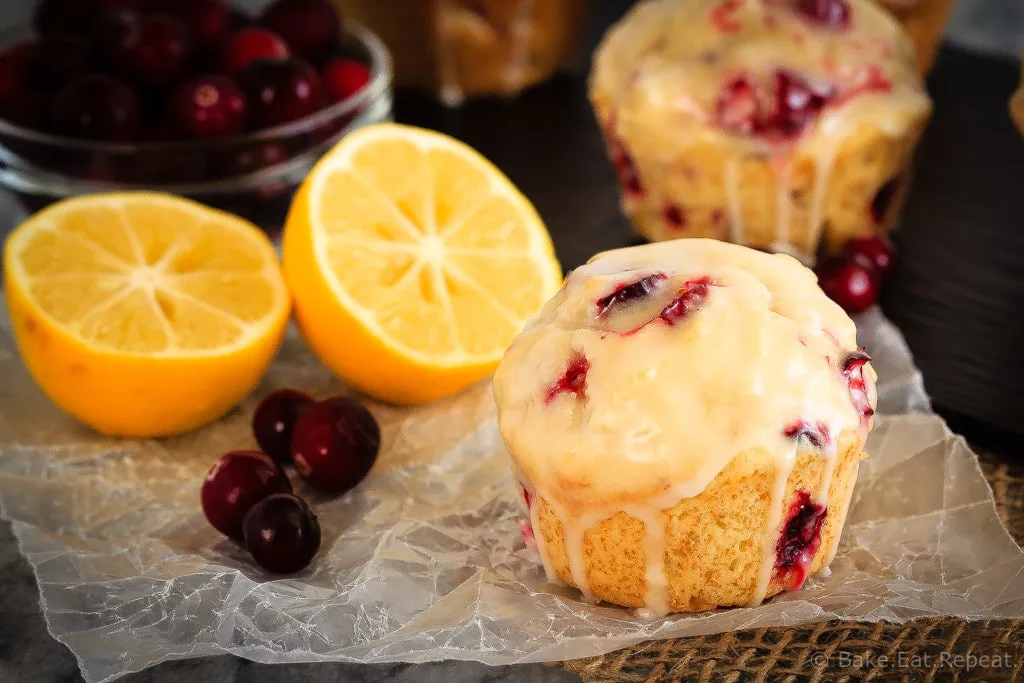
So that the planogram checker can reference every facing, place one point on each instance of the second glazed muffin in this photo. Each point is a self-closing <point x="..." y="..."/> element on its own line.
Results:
<point x="925" y="23"/>
<point x="777" y="125"/>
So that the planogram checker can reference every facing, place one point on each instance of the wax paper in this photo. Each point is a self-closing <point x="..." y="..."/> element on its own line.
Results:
<point x="425" y="561"/>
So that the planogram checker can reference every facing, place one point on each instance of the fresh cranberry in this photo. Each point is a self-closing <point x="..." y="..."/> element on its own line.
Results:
<point x="157" y="51"/>
<point x="112" y="33"/>
<point x="526" y="497"/>
<point x="853" y="371"/>
<point x="572" y="381"/>
<point x="15" y="62"/>
<point x="310" y="27"/>
<point x="282" y="534"/>
<point x="58" y="59"/>
<point x="817" y="433"/>
<point x="96" y="107"/>
<point x="250" y="44"/>
<point x="239" y="480"/>
<point x="798" y="102"/>
<point x="850" y="284"/>
<point x="256" y="158"/>
<point x="624" y="294"/>
<point x="799" y="540"/>
<point x="281" y="90"/>
<point x="873" y="250"/>
<point x="334" y="444"/>
<point x="343" y="78"/>
<point x="674" y="216"/>
<point x="882" y="200"/>
<point x="738" y="107"/>
<point x="722" y="16"/>
<point x="273" y="422"/>
<point x="63" y="16"/>
<point x="830" y="13"/>
<point x="689" y="298"/>
<point x="208" y="20"/>
<point x="208" y="107"/>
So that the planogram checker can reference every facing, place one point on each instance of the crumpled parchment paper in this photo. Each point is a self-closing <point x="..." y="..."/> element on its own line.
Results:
<point x="425" y="560"/>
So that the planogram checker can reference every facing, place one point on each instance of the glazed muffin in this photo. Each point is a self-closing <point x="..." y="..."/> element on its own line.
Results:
<point x="686" y="421"/>
<point x="925" y="23"/>
<point x="464" y="48"/>
<point x="777" y="125"/>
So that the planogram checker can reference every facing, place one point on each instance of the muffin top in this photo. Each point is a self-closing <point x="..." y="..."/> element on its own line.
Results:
<point x="654" y="366"/>
<point x="760" y="71"/>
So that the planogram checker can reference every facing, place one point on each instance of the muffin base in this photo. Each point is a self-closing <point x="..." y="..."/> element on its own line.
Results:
<point x="814" y="195"/>
<point x="714" y="546"/>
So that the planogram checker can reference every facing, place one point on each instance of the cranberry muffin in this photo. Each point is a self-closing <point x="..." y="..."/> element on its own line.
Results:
<point x="465" y="48"/>
<point x="925" y="24"/>
<point x="778" y="124"/>
<point x="686" y="421"/>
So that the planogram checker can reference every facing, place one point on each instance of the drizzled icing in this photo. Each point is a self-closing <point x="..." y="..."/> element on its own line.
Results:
<point x="677" y="74"/>
<point x="671" y="400"/>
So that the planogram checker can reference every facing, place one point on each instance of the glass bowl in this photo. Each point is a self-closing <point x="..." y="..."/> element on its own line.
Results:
<point x="252" y="175"/>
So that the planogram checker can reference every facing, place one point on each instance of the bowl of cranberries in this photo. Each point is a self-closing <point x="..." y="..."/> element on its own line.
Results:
<point x="192" y="97"/>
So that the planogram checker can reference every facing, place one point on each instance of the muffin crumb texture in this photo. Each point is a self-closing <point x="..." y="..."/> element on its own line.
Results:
<point x="686" y="421"/>
<point x="778" y="124"/>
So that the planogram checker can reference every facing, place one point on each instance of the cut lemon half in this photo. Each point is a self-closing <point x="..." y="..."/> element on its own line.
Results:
<point x="413" y="263"/>
<point x="143" y="314"/>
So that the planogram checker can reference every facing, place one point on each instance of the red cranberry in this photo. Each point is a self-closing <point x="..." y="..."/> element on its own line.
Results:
<point x="817" y="434"/>
<point x="798" y="103"/>
<point x="335" y="443"/>
<point x="282" y="534"/>
<point x="112" y="33"/>
<point x="63" y="16"/>
<point x="273" y="422"/>
<point x="96" y="107"/>
<point x="831" y="13"/>
<point x="250" y="44"/>
<point x="156" y="52"/>
<point x="281" y="90"/>
<point x="850" y="284"/>
<point x="799" y="540"/>
<point x="874" y="250"/>
<point x="209" y="107"/>
<point x="239" y="480"/>
<point x="58" y="59"/>
<point x="256" y="158"/>
<point x="882" y="200"/>
<point x="853" y="371"/>
<point x="14" y="66"/>
<point x="310" y="27"/>
<point x="674" y="216"/>
<point x="688" y="299"/>
<point x="208" y="20"/>
<point x="573" y="381"/>
<point x="739" y="108"/>
<point x="343" y="78"/>
<point x="624" y="294"/>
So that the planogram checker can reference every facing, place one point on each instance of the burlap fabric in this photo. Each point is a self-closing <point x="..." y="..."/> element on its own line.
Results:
<point x="929" y="649"/>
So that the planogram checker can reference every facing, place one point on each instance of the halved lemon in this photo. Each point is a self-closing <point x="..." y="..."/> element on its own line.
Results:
<point x="143" y="314"/>
<point x="413" y="263"/>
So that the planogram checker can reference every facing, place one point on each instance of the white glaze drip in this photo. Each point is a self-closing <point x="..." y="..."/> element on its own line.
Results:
<point x="538" y="536"/>
<point x="574" y="529"/>
<point x="656" y="598"/>
<point x="770" y="541"/>
<point x="732" y="188"/>
<point x="451" y="93"/>
<point x="520" y="33"/>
